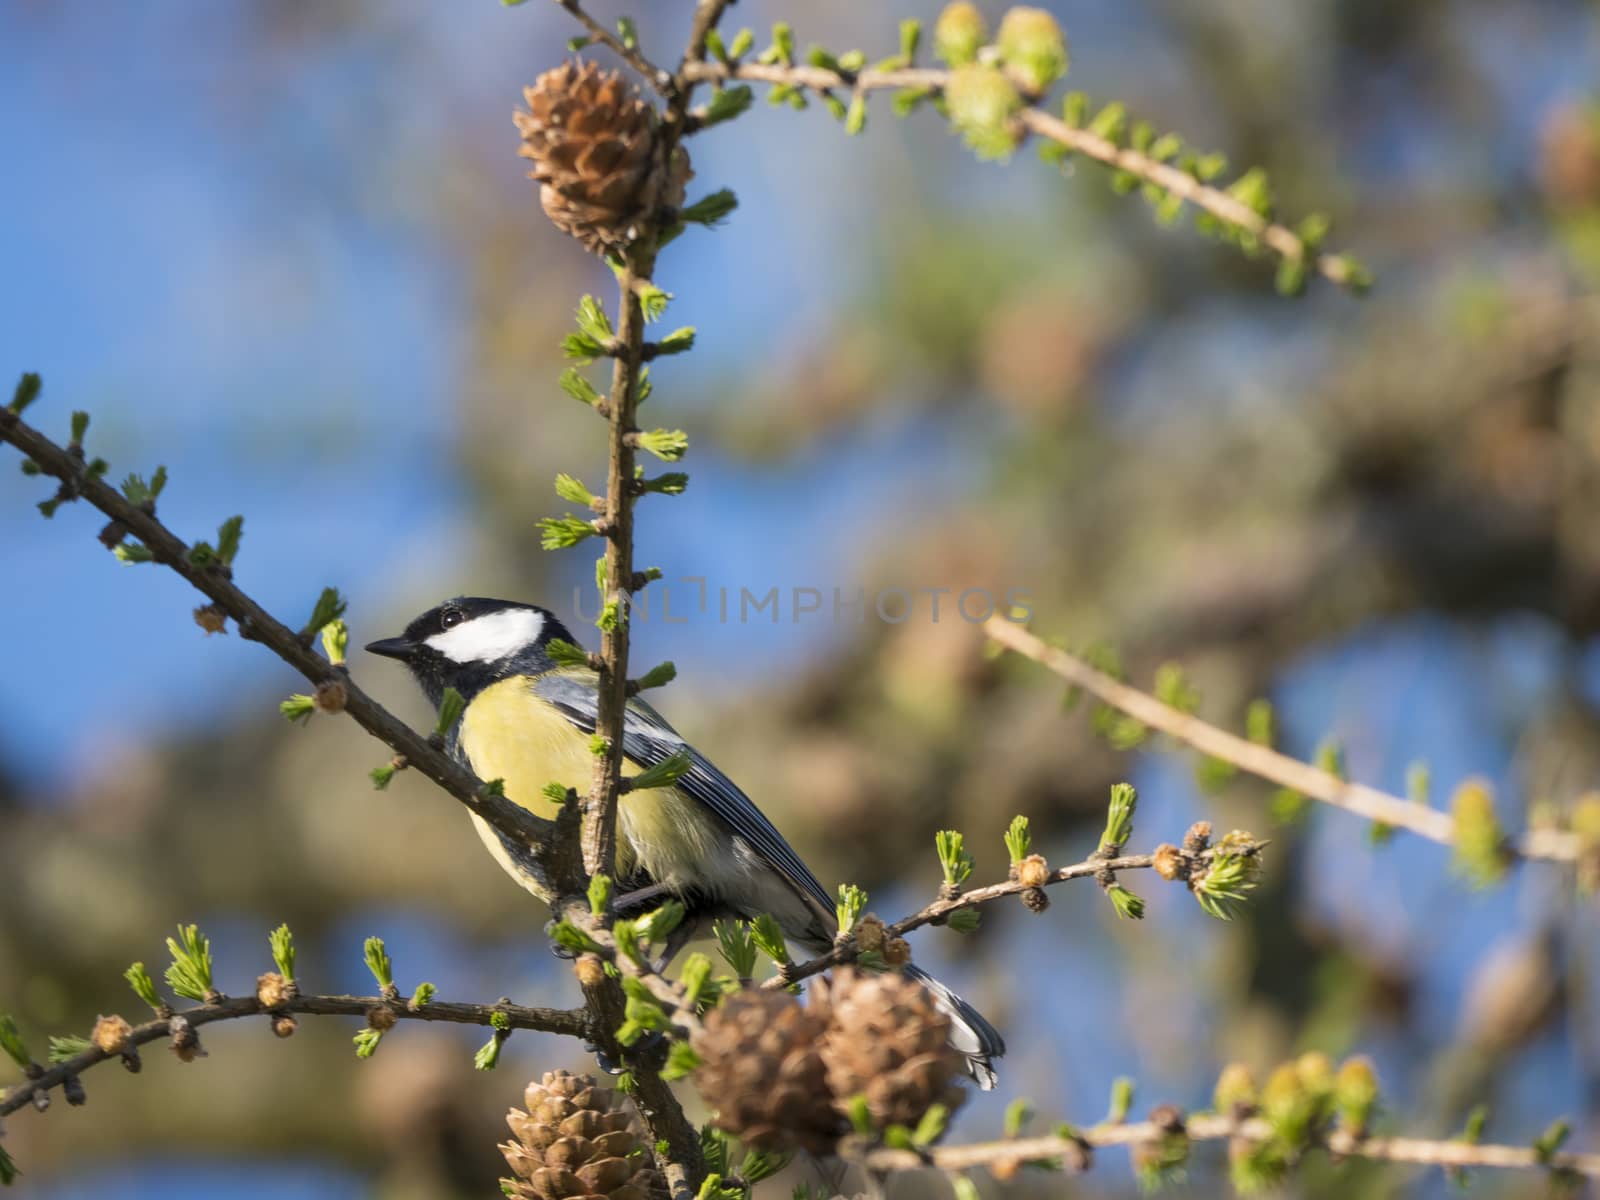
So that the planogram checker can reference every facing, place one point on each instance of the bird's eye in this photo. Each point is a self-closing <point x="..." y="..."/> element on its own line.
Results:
<point x="450" y="617"/>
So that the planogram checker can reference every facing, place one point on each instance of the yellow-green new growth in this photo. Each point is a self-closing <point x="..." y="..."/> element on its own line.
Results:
<point x="281" y="942"/>
<point x="954" y="860"/>
<point x="1032" y="46"/>
<point x="1355" y="1095"/>
<point x="983" y="105"/>
<point x="738" y="946"/>
<point x="1119" y="818"/>
<point x="11" y="1041"/>
<point x="1235" y="864"/>
<point x="852" y="903"/>
<point x="1019" y="840"/>
<point x="378" y="962"/>
<point x="1480" y="842"/>
<point x="335" y="641"/>
<point x="959" y="33"/>
<point x="189" y="973"/>
<point x="143" y="986"/>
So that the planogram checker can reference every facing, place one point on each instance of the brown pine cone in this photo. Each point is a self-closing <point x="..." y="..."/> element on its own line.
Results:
<point x="889" y="1042"/>
<point x="577" y="1141"/>
<point x="594" y="146"/>
<point x="761" y="1070"/>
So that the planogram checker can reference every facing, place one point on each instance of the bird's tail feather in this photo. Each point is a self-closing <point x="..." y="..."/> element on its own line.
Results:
<point x="969" y="1032"/>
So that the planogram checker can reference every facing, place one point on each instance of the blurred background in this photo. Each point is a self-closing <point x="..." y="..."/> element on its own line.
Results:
<point x="285" y="247"/>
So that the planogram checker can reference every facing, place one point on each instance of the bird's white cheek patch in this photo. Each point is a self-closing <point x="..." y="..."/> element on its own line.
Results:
<point x="490" y="637"/>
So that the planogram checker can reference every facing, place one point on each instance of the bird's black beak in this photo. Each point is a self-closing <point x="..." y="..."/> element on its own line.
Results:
<point x="395" y="647"/>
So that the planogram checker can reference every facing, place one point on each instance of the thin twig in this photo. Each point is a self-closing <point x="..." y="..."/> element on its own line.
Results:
<point x="940" y="909"/>
<point x="1259" y="760"/>
<point x="707" y="13"/>
<point x="1280" y="238"/>
<point x="257" y="625"/>
<point x="661" y="80"/>
<point x="567" y="1022"/>
<point x="600" y="817"/>
<point x="1211" y="1127"/>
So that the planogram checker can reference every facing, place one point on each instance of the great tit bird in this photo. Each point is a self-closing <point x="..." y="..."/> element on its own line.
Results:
<point x="528" y="721"/>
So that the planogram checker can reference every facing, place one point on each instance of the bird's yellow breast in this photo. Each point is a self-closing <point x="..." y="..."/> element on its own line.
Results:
<point x="509" y="733"/>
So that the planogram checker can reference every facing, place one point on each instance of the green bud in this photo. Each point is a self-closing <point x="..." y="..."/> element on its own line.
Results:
<point x="852" y="903"/>
<point x="330" y="606"/>
<point x="954" y="860"/>
<point x="1235" y="1091"/>
<point x="335" y="641"/>
<point x="1355" y="1095"/>
<point x="964" y="920"/>
<point x="656" y="925"/>
<point x="737" y="945"/>
<point x="1121" y="1100"/>
<point x="229" y="535"/>
<point x="572" y="490"/>
<point x="1018" y="1113"/>
<point x="451" y="706"/>
<point x="565" y="654"/>
<point x="366" y="1042"/>
<point x="768" y="937"/>
<point x="726" y="104"/>
<point x="1287" y="1106"/>
<point x="983" y="105"/>
<point x="662" y="774"/>
<point x="11" y="1041"/>
<point x="575" y="385"/>
<point x="189" y="973"/>
<point x="561" y="533"/>
<point x="695" y="975"/>
<point x="27" y="392"/>
<point x="910" y="39"/>
<point x="378" y="962"/>
<point x="932" y="1125"/>
<point x="281" y="942"/>
<point x="669" y="445"/>
<point x="1119" y="817"/>
<point x="599" y="894"/>
<point x="1545" y="1145"/>
<point x="712" y="210"/>
<point x="1032" y="45"/>
<point x="1127" y="904"/>
<point x="423" y="997"/>
<point x="855" y="118"/>
<point x="677" y="342"/>
<point x="66" y="1048"/>
<point x="681" y="1062"/>
<point x="143" y="986"/>
<point x="959" y="34"/>
<point x="658" y="676"/>
<point x="1480" y="849"/>
<point x="1018" y="839"/>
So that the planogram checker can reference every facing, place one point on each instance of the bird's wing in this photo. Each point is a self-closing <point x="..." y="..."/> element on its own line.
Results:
<point x="648" y="739"/>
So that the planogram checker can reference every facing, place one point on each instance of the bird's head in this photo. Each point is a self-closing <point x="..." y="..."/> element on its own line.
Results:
<point x="470" y="642"/>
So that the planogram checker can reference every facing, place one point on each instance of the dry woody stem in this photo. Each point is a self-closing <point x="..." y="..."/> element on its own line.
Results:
<point x="1037" y="121"/>
<point x="1211" y="1127"/>
<point x="569" y="1022"/>
<point x="1262" y="761"/>
<point x="941" y="908"/>
<point x="257" y="625"/>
